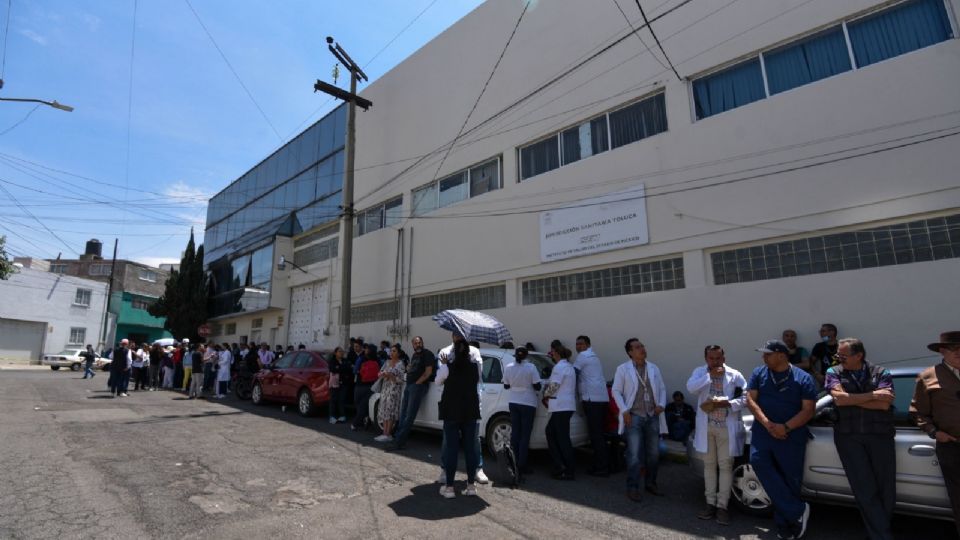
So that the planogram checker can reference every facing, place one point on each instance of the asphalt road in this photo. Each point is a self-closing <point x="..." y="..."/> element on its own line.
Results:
<point x="78" y="464"/>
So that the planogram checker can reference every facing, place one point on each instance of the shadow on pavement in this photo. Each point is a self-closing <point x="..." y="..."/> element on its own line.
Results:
<point x="413" y="504"/>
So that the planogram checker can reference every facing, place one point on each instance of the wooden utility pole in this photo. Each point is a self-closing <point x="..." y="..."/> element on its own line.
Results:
<point x="346" y="218"/>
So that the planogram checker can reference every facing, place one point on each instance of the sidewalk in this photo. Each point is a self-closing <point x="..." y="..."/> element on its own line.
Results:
<point x="20" y="364"/>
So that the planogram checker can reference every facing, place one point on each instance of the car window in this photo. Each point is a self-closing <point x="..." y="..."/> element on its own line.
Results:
<point x="303" y="360"/>
<point x="492" y="371"/>
<point x="543" y="364"/>
<point x="285" y="361"/>
<point x="903" y="388"/>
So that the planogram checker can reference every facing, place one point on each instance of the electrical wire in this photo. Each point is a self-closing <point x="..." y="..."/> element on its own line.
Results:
<point x="234" y="71"/>
<point x="646" y="21"/>
<point x="42" y="224"/>
<point x="22" y="120"/>
<point x="6" y="34"/>
<point x="636" y="32"/>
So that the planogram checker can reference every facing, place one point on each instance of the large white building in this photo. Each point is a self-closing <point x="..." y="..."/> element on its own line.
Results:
<point x="43" y="312"/>
<point x="802" y="169"/>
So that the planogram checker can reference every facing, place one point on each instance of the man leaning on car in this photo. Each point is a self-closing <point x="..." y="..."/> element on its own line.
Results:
<point x="936" y="410"/>
<point x="864" y="434"/>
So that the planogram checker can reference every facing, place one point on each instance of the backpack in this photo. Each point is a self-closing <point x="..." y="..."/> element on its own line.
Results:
<point x="369" y="371"/>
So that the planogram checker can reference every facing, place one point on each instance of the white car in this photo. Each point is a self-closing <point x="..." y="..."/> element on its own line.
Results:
<point x="495" y="426"/>
<point x="66" y="358"/>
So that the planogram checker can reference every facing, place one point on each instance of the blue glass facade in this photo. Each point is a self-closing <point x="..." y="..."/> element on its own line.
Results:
<point x="295" y="189"/>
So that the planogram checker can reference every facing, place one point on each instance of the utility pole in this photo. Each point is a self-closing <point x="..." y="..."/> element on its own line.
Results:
<point x="106" y="308"/>
<point x="346" y="218"/>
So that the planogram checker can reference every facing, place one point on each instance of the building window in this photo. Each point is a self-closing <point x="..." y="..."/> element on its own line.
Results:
<point x="317" y="252"/>
<point x="381" y="311"/>
<point x="148" y="275"/>
<point x="231" y="329"/>
<point x="491" y="297"/>
<point x="904" y="243"/>
<point x="100" y="269"/>
<point x="256" y="323"/>
<point x="58" y="268"/>
<point x="459" y="186"/>
<point x="140" y="303"/>
<point x="380" y="216"/>
<point x="896" y="30"/>
<point x="613" y="129"/>
<point x="83" y="297"/>
<point x="77" y="336"/>
<point x="662" y="275"/>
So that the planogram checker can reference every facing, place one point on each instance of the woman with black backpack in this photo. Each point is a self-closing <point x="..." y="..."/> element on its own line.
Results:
<point x="368" y="374"/>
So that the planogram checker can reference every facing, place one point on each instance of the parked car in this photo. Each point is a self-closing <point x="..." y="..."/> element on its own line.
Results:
<point x="495" y="426"/>
<point x="66" y="358"/>
<point x="301" y="378"/>
<point x="920" y="486"/>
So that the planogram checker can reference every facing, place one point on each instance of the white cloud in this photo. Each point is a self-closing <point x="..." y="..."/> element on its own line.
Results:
<point x="33" y="36"/>
<point x="156" y="261"/>
<point x="180" y="192"/>
<point x="92" y="21"/>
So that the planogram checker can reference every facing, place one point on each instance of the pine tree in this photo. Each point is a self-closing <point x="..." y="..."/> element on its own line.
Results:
<point x="6" y="267"/>
<point x="184" y="301"/>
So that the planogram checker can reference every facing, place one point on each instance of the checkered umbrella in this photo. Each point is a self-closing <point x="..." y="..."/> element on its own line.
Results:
<point x="473" y="326"/>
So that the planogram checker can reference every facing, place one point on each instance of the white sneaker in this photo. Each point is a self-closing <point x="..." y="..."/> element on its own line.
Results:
<point x="382" y="438"/>
<point x="124" y="394"/>
<point x="333" y="420"/>
<point x="481" y="478"/>
<point x="447" y="492"/>
<point x="471" y="490"/>
<point x="443" y="477"/>
<point x="342" y="419"/>
<point x="803" y="521"/>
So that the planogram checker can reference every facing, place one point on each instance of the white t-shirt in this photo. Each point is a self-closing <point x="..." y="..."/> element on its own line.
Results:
<point x="566" y="377"/>
<point x="521" y="378"/>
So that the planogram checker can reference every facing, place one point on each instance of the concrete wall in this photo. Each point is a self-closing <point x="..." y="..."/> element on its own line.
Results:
<point x="32" y="295"/>
<point x="420" y="105"/>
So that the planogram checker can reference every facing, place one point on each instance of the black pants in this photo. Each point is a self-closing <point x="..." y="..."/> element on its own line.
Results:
<point x="558" y="442"/>
<point x="361" y="399"/>
<point x="155" y="376"/>
<point x="948" y="454"/>
<point x="870" y="462"/>
<point x="596" y="413"/>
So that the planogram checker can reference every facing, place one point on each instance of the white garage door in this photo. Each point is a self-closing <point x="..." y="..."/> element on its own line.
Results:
<point x="308" y="314"/>
<point x="21" y="340"/>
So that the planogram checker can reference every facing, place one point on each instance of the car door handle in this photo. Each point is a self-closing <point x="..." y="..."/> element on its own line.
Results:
<point x="922" y="450"/>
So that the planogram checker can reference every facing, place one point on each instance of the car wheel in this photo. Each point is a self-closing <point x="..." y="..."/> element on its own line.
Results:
<point x="257" y="394"/>
<point x="75" y="367"/>
<point x="55" y="368"/>
<point x="305" y="404"/>
<point x="748" y="493"/>
<point x="498" y="434"/>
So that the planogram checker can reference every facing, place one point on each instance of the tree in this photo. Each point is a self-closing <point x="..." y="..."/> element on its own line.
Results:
<point x="6" y="267"/>
<point x="184" y="301"/>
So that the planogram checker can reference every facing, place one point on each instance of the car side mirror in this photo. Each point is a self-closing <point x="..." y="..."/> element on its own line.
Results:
<point x="826" y="415"/>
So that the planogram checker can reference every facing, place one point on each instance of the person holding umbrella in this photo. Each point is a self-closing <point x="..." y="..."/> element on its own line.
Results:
<point x="460" y="412"/>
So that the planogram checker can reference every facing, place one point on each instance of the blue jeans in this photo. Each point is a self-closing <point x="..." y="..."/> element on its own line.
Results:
<point x="643" y="450"/>
<point x="409" y="407"/>
<point x="453" y="434"/>
<point x="779" y="467"/>
<point x="679" y="430"/>
<point x="88" y="370"/>
<point x="476" y="447"/>
<point x="521" y="425"/>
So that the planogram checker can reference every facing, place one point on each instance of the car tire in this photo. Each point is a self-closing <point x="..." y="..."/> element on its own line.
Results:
<point x="747" y="493"/>
<point x="75" y="366"/>
<point x="256" y="395"/>
<point x="498" y="432"/>
<point x="305" y="405"/>
<point x="55" y="368"/>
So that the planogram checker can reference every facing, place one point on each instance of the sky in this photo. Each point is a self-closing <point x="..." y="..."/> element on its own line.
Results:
<point x="161" y="119"/>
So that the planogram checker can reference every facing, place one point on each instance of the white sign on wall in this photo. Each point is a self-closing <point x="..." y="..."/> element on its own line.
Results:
<point x="605" y="223"/>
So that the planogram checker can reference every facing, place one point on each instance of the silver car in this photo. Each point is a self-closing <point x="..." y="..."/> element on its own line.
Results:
<point x="920" y="486"/>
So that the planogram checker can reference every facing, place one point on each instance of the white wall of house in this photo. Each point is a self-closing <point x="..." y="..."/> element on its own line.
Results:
<point x="52" y="299"/>
<point x="776" y="169"/>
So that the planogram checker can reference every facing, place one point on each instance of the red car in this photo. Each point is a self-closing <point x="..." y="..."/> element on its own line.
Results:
<point x="301" y="377"/>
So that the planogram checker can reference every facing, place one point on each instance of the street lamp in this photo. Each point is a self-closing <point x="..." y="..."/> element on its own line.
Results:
<point x="282" y="265"/>
<point x="55" y="104"/>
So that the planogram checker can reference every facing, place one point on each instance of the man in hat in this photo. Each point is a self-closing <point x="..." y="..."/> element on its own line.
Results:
<point x="781" y="397"/>
<point x="936" y="409"/>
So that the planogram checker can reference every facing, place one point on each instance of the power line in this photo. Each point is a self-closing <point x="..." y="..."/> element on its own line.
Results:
<point x="646" y="21"/>
<point x="5" y="190"/>
<point x="6" y="33"/>
<point x="636" y="32"/>
<point x="400" y="33"/>
<point x="22" y="120"/>
<point x="232" y="70"/>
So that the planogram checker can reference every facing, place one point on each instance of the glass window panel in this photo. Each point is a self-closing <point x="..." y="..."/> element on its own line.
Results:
<point x="485" y="177"/>
<point x="393" y="212"/>
<point x="585" y="140"/>
<point x="372" y="220"/>
<point x="240" y="268"/>
<point x="539" y="158"/>
<point x="261" y="266"/>
<point x="425" y="200"/>
<point x="810" y="60"/>
<point x="325" y="139"/>
<point x="338" y="168"/>
<point x="326" y="178"/>
<point x="733" y="87"/>
<point x="339" y="126"/>
<point x="638" y="121"/>
<point x="453" y="189"/>
<point x="904" y="28"/>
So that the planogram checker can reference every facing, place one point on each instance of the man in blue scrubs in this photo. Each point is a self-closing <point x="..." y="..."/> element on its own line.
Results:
<point x="782" y="398"/>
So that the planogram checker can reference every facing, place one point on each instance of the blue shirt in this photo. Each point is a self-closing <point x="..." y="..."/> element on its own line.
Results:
<point x="781" y="396"/>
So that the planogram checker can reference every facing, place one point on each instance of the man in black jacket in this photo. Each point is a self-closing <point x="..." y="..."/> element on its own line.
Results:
<point x="420" y="370"/>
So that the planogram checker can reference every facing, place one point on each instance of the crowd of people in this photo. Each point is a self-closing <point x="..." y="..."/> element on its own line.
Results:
<point x="780" y="393"/>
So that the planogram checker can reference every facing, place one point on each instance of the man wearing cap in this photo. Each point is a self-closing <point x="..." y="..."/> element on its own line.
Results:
<point x="781" y="397"/>
<point x="864" y="434"/>
<point x="936" y="410"/>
